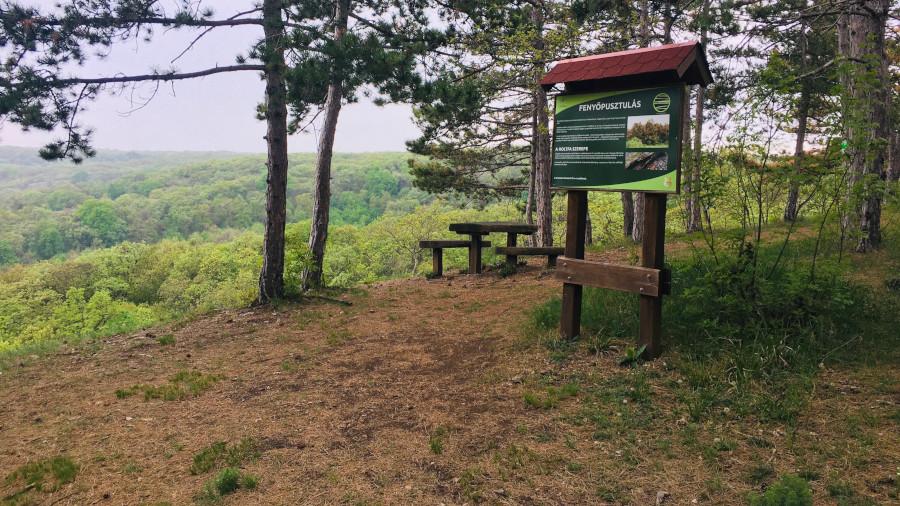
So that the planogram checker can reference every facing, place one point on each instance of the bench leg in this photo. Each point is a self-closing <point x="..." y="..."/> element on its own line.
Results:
<point x="511" y="260"/>
<point x="551" y="260"/>
<point x="437" y="262"/>
<point x="475" y="255"/>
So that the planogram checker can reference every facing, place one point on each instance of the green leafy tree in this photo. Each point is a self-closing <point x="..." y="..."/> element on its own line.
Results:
<point x="104" y="223"/>
<point x="7" y="254"/>
<point x="46" y="241"/>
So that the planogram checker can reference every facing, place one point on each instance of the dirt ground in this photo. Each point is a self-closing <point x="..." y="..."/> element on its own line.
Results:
<point x="414" y="395"/>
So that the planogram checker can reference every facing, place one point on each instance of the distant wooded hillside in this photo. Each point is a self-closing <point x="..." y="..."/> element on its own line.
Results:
<point x="54" y="208"/>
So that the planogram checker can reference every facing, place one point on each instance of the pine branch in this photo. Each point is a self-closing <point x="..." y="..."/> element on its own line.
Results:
<point x="113" y="21"/>
<point x="154" y="77"/>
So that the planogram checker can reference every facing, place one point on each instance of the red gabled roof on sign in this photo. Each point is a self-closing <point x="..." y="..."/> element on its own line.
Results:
<point x="674" y="60"/>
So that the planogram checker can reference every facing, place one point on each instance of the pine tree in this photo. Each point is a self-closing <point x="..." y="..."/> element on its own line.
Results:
<point x="342" y="49"/>
<point x="485" y="122"/>
<point x="865" y="102"/>
<point x="312" y="55"/>
<point x="799" y="69"/>
<point x="36" y="91"/>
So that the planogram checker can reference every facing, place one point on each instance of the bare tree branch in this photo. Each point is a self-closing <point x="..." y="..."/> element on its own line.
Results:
<point x="155" y="77"/>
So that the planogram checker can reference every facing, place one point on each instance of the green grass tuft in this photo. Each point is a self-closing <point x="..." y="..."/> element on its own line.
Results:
<point x="183" y="385"/>
<point x="166" y="340"/>
<point x="221" y="453"/>
<point x="436" y="440"/>
<point x="790" y="490"/>
<point x="46" y="475"/>
<point x="552" y="396"/>
<point x="226" y="482"/>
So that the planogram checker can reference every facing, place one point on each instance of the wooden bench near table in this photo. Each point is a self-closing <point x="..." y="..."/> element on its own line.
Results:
<point x="476" y="233"/>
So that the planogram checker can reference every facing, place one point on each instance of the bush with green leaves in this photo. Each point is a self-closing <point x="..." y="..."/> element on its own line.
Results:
<point x="747" y="336"/>
<point x="790" y="490"/>
<point x="227" y="481"/>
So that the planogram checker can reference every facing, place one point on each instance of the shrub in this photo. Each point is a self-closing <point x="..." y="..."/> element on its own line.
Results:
<point x="746" y="337"/>
<point x="790" y="490"/>
<point x="227" y="481"/>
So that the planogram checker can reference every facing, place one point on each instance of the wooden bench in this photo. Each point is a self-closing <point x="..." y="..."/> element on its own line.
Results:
<point x="513" y="252"/>
<point x="437" y="251"/>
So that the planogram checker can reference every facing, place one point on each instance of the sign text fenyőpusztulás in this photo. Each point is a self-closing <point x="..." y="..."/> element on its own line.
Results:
<point x="619" y="140"/>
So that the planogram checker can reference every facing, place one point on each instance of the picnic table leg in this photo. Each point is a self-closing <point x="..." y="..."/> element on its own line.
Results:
<point x="511" y="243"/>
<point x="437" y="262"/>
<point x="475" y="254"/>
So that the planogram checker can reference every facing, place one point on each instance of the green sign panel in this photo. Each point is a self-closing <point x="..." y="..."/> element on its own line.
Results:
<point x="619" y="140"/>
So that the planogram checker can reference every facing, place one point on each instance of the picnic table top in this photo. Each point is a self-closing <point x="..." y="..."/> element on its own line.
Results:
<point x="486" y="227"/>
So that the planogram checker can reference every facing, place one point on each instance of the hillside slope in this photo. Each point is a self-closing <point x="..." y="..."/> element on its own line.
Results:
<point x="425" y="392"/>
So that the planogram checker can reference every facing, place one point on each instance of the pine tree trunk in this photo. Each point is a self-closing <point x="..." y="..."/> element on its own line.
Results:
<point x="637" y="199"/>
<point x="318" y="235"/>
<point x="529" y="202"/>
<point x="541" y="140"/>
<point x="627" y="213"/>
<point x="637" y="225"/>
<point x="687" y="160"/>
<point x="588" y="228"/>
<point x="790" y="209"/>
<point x="894" y="157"/>
<point x="271" y="276"/>
<point x="861" y="42"/>
<point x="695" y="221"/>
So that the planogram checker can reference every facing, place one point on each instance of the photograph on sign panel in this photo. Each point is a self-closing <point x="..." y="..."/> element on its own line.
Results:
<point x="650" y="131"/>
<point x="646" y="160"/>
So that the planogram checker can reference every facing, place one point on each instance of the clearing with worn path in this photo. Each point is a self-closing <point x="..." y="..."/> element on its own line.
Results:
<point x="420" y="392"/>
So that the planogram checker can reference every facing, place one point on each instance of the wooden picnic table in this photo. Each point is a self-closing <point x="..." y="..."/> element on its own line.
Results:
<point x="478" y="229"/>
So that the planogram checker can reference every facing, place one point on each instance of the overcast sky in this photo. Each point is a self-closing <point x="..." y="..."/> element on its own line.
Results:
<point x="212" y="113"/>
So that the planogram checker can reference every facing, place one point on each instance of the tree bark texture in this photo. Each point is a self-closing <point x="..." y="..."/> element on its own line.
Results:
<point x="687" y="159"/>
<point x="627" y="213"/>
<point x="318" y="235"/>
<point x="637" y="223"/>
<point x="636" y="200"/>
<point x="588" y="227"/>
<point x="695" y="221"/>
<point x="541" y="140"/>
<point x="271" y="276"/>
<point x="861" y="44"/>
<point x="791" y="208"/>
<point x="894" y="156"/>
<point x="529" y="202"/>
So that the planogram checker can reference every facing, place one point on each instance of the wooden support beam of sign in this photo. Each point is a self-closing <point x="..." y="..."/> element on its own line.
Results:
<point x="652" y="257"/>
<point x="576" y="223"/>
<point x="625" y="278"/>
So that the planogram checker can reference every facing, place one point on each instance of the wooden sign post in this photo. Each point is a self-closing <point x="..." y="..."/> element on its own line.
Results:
<point x="618" y="128"/>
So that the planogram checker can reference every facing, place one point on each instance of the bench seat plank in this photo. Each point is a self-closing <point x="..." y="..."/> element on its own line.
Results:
<point x="525" y="251"/>
<point x="450" y="243"/>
